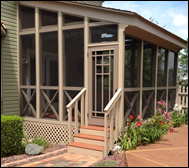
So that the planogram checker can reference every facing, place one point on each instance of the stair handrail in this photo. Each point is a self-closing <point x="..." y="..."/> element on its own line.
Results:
<point x="112" y="109"/>
<point x="74" y="103"/>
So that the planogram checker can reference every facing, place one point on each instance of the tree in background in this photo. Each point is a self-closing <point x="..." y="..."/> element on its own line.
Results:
<point x="183" y="67"/>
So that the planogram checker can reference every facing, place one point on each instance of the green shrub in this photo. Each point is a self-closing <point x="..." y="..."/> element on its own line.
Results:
<point x="11" y="135"/>
<point x="106" y="163"/>
<point x="185" y="117"/>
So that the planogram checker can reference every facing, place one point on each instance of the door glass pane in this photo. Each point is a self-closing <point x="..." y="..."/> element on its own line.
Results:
<point x="94" y="76"/>
<point x="27" y="17"/>
<point x="99" y="69"/>
<point x="99" y="93"/>
<point x="106" y="90"/>
<point x="161" y="67"/>
<point x="103" y="33"/>
<point x="106" y="60"/>
<point x="74" y="57"/>
<point x="49" y="43"/>
<point x="106" y="69"/>
<point x="99" y="60"/>
<point x="28" y="59"/>
<point x="48" y="18"/>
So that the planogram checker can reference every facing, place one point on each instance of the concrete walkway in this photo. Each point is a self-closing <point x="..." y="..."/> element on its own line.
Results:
<point x="170" y="151"/>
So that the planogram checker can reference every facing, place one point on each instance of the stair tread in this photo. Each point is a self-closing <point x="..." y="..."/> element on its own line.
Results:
<point x="86" y="146"/>
<point x="94" y="128"/>
<point x="94" y="137"/>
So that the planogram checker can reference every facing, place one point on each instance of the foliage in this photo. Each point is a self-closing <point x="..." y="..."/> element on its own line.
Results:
<point x="139" y="132"/>
<point x="183" y="66"/>
<point x="106" y="163"/>
<point x="177" y="119"/>
<point x="40" y="141"/>
<point x="11" y="135"/>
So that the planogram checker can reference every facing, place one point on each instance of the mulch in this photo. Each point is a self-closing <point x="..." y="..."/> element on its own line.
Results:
<point x="119" y="158"/>
<point x="13" y="158"/>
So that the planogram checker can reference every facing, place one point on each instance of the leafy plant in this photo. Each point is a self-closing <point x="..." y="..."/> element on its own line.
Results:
<point x="106" y="163"/>
<point x="39" y="141"/>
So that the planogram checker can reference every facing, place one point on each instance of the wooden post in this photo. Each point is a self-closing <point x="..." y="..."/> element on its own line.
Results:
<point x="121" y="39"/>
<point x="141" y="78"/>
<point x="70" y="123"/>
<point x="167" y="81"/>
<point x="105" y="135"/>
<point x="156" y="73"/>
<point x="60" y="65"/>
<point x="111" y="127"/>
<point x="76" y="117"/>
<point x="86" y="68"/>
<point x="82" y="110"/>
<point x="37" y="56"/>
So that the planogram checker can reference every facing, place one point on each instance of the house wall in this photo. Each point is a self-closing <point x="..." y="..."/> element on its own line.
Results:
<point x="9" y="68"/>
<point x="98" y="3"/>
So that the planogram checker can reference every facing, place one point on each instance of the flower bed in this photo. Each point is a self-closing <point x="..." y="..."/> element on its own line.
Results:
<point x="138" y="132"/>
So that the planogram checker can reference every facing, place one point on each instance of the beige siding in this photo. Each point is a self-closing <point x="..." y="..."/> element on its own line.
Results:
<point x="10" y="100"/>
<point x="98" y="3"/>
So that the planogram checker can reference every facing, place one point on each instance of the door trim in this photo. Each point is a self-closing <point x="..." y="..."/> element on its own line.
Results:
<point x="100" y="120"/>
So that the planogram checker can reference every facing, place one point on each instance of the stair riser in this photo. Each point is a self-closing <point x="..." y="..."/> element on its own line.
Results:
<point x="92" y="132"/>
<point x="89" y="141"/>
<point x="88" y="152"/>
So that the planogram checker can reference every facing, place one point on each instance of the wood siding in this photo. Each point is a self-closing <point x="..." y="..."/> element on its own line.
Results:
<point x="9" y="64"/>
<point x="98" y="3"/>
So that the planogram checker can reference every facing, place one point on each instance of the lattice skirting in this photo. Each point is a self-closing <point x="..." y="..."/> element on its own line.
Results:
<point x="54" y="133"/>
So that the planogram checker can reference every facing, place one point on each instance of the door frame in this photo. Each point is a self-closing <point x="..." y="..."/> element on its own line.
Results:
<point x="99" y="121"/>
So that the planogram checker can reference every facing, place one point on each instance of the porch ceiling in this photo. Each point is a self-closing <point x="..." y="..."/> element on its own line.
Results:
<point x="148" y="36"/>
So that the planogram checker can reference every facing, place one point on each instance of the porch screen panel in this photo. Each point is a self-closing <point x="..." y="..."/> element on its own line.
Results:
<point x="49" y="46"/>
<point x="148" y="68"/>
<point x="74" y="57"/>
<point x="171" y="99"/>
<point x="27" y="17"/>
<point x="132" y="49"/>
<point x="27" y="62"/>
<point x="48" y="18"/>
<point x="172" y="69"/>
<point x="103" y="33"/>
<point x="161" y="76"/>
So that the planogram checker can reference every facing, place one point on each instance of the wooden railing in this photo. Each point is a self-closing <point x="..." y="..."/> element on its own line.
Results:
<point x="112" y="112"/>
<point x="182" y="97"/>
<point x="74" y="103"/>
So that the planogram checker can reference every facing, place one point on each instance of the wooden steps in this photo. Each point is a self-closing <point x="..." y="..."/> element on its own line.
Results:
<point x="90" y="141"/>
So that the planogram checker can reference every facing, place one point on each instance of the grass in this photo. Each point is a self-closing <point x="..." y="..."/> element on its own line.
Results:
<point x="106" y="163"/>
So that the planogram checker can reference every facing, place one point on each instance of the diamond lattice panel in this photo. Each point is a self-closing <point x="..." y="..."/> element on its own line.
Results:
<point x="54" y="133"/>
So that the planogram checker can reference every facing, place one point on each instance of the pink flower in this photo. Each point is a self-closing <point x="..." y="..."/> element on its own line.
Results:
<point x="159" y="110"/>
<point x="163" y="103"/>
<point x="167" y="116"/>
<point x="139" y="123"/>
<point x="171" y="129"/>
<point x="139" y="117"/>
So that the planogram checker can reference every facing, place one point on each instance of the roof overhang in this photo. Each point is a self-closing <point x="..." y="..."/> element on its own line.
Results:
<point x="134" y="21"/>
<point x="150" y="37"/>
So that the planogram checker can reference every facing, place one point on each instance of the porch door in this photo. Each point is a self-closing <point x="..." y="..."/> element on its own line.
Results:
<point x="102" y="80"/>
